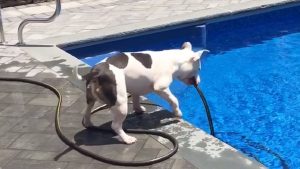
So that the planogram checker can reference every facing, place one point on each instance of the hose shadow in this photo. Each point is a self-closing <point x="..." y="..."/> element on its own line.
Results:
<point x="105" y="136"/>
<point x="102" y="135"/>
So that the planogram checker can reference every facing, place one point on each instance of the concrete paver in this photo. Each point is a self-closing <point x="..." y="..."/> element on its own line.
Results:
<point x="34" y="164"/>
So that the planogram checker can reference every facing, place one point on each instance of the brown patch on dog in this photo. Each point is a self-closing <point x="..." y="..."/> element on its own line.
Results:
<point x="144" y="58"/>
<point x="101" y="83"/>
<point x="119" y="60"/>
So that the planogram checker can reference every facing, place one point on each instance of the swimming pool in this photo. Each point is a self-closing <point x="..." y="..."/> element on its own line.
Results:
<point x="251" y="80"/>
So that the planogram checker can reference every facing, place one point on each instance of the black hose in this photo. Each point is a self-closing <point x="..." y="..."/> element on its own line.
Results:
<point x="135" y="131"/>
<point x="210" y="122"/>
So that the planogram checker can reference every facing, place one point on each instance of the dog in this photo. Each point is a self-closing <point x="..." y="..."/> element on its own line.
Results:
<point x="138" y="73"/>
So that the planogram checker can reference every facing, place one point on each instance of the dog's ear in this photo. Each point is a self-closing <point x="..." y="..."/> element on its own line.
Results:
<point x="90" y="76"/>
<point x="186" y="45"/>
<point x="199" y="54"/>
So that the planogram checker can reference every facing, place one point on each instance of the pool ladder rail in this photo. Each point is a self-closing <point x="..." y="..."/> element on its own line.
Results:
<point x="27" y="21"/>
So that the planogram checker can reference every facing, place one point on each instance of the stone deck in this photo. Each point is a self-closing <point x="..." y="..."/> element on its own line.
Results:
<point x="27" y="136"/>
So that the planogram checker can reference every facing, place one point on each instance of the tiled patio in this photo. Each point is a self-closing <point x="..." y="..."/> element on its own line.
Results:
<point x="27" y="136"/>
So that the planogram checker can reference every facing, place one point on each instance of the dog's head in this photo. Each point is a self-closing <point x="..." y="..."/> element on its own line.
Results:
<point x="189" y="69"/>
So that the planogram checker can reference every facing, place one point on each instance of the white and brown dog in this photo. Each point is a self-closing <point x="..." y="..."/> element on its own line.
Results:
<point x="138" y="73"/>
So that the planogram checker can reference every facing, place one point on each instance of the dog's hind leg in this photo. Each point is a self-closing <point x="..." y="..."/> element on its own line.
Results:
<point x="119" y="115"/>
<point x="87" y="116"/>
<point x="137" y="107"/>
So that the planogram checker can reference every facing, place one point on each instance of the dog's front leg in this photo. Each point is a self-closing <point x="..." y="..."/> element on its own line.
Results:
<point x="119" y="115"/>
<point x="166" y="94"/>
<point x="137" y="107"/>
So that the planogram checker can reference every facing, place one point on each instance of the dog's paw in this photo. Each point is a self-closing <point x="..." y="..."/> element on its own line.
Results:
<point x="127" y="139"/>
<point x="140" y="109"/>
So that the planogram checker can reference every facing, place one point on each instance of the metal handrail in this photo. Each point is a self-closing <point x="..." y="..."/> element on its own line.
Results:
<point x="38" y="20"/>
<point x="1" y="29"/>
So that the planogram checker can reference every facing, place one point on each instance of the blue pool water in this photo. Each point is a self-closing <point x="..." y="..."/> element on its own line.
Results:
<point x="251" y="80"/>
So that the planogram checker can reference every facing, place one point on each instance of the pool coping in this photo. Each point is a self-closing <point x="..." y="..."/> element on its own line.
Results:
<point x="66" y="62"/>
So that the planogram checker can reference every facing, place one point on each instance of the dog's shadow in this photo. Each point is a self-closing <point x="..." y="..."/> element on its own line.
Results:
<point x="146" y="121"/>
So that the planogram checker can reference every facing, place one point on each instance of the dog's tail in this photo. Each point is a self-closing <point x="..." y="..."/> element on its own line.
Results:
<point x="76" y="74"/>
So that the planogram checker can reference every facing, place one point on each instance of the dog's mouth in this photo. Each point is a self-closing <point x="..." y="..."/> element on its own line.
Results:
<point x="190" y="81"/>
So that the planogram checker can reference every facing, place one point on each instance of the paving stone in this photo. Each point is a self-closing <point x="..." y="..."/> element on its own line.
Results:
<point x="2" y="95"/>
<point x="7" y="123"/>
<point x="38" y="112"/>
<point x="74" y="156"/>
<point x="152" y="143"/>
<point x="14" y="87"/>
<point x="78" y="106"/>
<point x="31" y="125"/>
<point x="39" y="15"/>
<point x="9" y="74"/>
<point x="34" y="164"/>
<point x="181" y="163"/>
<point x="71" y="120"/>
<point x="48" y="73"/>
<point x="27" y="111"/>
<point x="36" y="10"/>
<point x="56" y="82"/>
<point x="140" y="136"/>
<point x="68" y="5"/>
<point x="164" y="164"/>
<point x="35" y="141"/>
<point x="36" y="155"/>
<point x="104" y="118"/>
<point x="51" y="100"/>
<point x="5" y="59"/>
<point x="113" y="149"/>
<point x="12" y="68"/>
<point x="121" y="167"/>
<point x="146" y="154"/>
<point x="68" y="100"/>
<point x="11" y="13"/>
<point x="86" y="166"/>
<point x="6" y="155"/>
<point x="33" y="72"/>
<point x="69" y="89"/>
<point x="95" y="27"/>
<point x="25" y="69"/>
<point x="165" y="142"/>
<point x="7" y="138"/>
<point x="17" y="98"/>
<point x="163" y="152"/>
